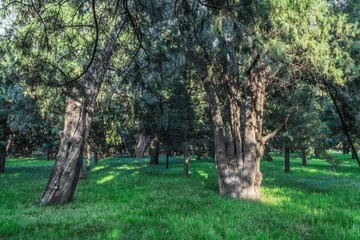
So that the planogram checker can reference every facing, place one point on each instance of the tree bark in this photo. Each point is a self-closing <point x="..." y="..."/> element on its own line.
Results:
<point x="267" y="156"/>
<point x="154" y="151"/>
<point x="78" y="115"/>
<point x="287" y="159"/>
<point x="95" y="157"/>
<point x="303" y="156"/>
<point x="142" y="141"/>
<point x="317" y="152"/>
<point x="186" y="164"/>
<point x="88" y="156"/>
<point x="2" y="158"/>
<point x="5" y="149"/>
<point x="167" y="158"/>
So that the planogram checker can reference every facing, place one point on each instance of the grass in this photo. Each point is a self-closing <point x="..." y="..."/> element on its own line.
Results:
<point x="125" y="198"/>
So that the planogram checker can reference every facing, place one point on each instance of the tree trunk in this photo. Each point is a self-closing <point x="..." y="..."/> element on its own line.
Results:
<point x="154" y="151"/>
<point x="186" y="164"/>
<point x="81" y="173"/>
<point x="303" y="156"/>
<point x="2" y="158"/>
<point x="48" y="151"/>
<point x="317" y="152"/>
<point x="353" y="156"/>
<point x="287" y="159"/>
<point x="95" y="157"/>
<point x="78" y="115"/>
<point x="345" y="147"/>
<point x="88" y="156"/>
<point x="142" y="141"/>
<point x="4" y="150"/>
<point x="267" y="156"/>
<point x="168" y="152"/>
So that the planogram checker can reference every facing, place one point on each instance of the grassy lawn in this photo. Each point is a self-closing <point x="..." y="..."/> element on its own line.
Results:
<point x="125" y="198"/>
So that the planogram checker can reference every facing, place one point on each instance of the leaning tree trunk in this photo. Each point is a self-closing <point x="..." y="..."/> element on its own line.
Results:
<point x="287" y="159"/>
<point x="154" y="151"/>
<point x="142" y="141"/>
<point x="78" y="115"/>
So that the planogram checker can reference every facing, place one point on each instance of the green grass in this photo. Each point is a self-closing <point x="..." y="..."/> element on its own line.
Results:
<point x="124" y="198"/>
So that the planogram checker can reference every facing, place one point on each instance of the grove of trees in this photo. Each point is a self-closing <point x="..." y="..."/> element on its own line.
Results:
<point x="228" y="79"/>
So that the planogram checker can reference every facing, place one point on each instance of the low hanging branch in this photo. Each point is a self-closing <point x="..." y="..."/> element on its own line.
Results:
<point x="333" y="98"/>
<point x="287" y="119"/>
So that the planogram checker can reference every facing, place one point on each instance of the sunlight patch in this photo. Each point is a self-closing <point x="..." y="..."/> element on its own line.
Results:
<point x="97" y="168"/>
<point x="127" y="167"/>
<point x="105" y="179"/>
<point x="203" y="174"/>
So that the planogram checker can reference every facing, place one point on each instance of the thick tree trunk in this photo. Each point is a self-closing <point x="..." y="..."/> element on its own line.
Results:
<point x="142" y="141"/>
<point x="303" y="156"/>
<point x="78" y="115"/>
<point x="65" y="175"/>
<point x="154" y="151"/>
<point x="88" y="156"/>
<point x="287" y="159"/>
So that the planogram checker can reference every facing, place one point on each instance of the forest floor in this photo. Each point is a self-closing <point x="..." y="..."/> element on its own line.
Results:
<point x="125" y="198"/>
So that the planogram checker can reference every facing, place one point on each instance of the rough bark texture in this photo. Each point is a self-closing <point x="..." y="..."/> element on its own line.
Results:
<point x="142" y="141"/>
<point x="78" y="115"/>
<point x="154" y="151"/>
<point x="303" y="156"/>
<point x="287" y="159"/>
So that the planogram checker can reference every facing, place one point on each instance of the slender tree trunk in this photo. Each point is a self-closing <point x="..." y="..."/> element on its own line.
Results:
<point x="353" y="156"/>
<point x="142" y="141"/>
<point x="287" y="159"/>
<point x="95" y="157"/>
<point x="2" y="158"/>
<point x="78" y="115"/>
<point x="345" y="147"/>
<point x="303" y="156"/>
<point x="186" y="163"/>
<point x="48" y="152"/>
<point x="317" y="152"/>
<point x="88" y="156"/>
<point x="154" y="151"/>
<point x="168" y="152"/>
<point x="267" y="156"/>
<point x="4" y="150"/>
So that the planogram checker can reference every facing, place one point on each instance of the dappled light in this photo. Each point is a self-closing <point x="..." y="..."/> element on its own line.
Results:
<point x="232" y="119"/>
<point x="105" y="179"/>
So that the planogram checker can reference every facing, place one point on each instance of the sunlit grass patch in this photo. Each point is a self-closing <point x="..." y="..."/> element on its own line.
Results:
<point x="125" y="198"/>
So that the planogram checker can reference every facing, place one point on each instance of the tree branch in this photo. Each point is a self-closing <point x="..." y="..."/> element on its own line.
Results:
<point x="287" y="119"/>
